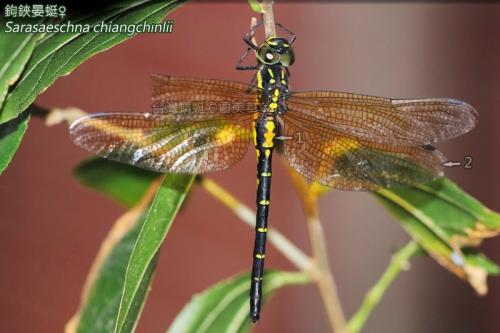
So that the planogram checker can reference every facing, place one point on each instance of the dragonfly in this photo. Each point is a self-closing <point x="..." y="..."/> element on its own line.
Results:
<point x="346" y="141"/>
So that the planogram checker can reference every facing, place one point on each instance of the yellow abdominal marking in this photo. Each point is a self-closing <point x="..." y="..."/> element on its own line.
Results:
<point x="264" y="202"/>
<point x="260" y="256"/>
<point x="273" y="106"/>
<point x="262" y="229"/>
<point x="266" y="174"/>
<point x="269" y="134"/>
<point x="268" y="153"/>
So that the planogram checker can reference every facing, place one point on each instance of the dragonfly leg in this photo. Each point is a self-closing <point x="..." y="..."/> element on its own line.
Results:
<point x="241" y="67"/>
<point x="249" y="36"/>
<point x="248" y="40"/>
<point x="292" y="35"/>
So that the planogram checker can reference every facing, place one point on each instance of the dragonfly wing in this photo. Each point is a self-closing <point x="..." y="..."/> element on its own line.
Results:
<point x="191" y="144"/>
<point x="347" y="162"/>
<point x="383" y="120"/>
<point x="174" y="95"/>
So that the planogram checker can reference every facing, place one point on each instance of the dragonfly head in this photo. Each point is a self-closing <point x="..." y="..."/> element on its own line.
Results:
<point x="275" y="50"/>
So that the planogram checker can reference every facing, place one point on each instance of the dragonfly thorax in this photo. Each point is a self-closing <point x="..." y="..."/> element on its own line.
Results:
<point x="273" y="83"/>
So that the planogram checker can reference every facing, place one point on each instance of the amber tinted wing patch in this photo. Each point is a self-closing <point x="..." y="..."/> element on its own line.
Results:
<point x="347" y="162"/>
<point x="193" y="144"/>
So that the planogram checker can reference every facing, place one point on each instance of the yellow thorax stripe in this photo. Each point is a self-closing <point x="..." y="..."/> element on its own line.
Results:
<point x="259" y="79"/>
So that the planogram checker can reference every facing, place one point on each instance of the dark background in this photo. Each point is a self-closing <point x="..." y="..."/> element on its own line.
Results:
<point x="51" y="227"/>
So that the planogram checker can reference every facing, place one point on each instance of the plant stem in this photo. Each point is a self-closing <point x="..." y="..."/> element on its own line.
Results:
<point x="325" y="282"/>
<point x="268" y="18"/>
<point x="398" y="263"/>
<point x="276" y="238"/>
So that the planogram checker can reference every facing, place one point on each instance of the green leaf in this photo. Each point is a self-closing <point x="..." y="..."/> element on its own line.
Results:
<point x="224" y="307"/>
<point x="122" y="182"/>
<point x="100" y="310"/>
<point x="16" y="51"/>
<point x="255" y="5"/>
<point x="142" y="263"/>
<point x="11" y="134"/>
<point x="59" y="54"/>
<point x="474" y="258"/>
<point x="445" y="221"/>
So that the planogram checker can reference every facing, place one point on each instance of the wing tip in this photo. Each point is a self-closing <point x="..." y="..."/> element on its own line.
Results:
<point x="472" y="111"/>
<point x="74" y="125"/>
<point x="469" y="115"/>
<point x="460" y="112"/>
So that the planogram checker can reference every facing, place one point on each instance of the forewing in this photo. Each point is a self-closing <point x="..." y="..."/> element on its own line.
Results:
<point x="384" y="120"/>
<point x="193" y="144"/>
<point x="347" y="162"/>
<point x="175" y="95"/>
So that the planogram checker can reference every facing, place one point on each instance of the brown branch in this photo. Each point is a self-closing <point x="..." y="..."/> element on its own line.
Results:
<point x="324" y="280"/>
<point x="268" y="18"/>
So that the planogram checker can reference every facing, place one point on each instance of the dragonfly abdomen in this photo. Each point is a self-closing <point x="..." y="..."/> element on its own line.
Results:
<point x="265" y="133"/>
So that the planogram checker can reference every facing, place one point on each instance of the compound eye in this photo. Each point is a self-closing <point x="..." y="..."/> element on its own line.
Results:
<point x="268" y="56"/>
<point x="288" y="58"/>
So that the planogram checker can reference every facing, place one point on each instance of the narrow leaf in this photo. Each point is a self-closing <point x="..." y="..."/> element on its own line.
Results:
<point x="103" y="287"/>
<point x="11" y="134"/>
<point x="445" y="220"/>
<point x="16" y="51"/>
<point x="224" y="307"/>
<point x="142" y="263"/>
<point x="100" y="309"/>
<point x="58" y="54"/>
<point x="122" y="182"/>
<point x="255" y="5"/>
